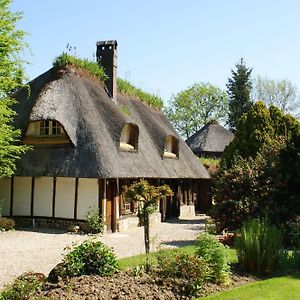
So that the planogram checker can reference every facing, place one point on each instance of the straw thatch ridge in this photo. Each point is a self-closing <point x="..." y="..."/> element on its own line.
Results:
<point x="210" y="139"/>
<point x="94" y="124"/>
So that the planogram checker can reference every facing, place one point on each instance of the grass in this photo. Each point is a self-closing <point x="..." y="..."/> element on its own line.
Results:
<point x="279" y="288"/>
<point x="126" y="88"/>
<point x="93" y="68"/>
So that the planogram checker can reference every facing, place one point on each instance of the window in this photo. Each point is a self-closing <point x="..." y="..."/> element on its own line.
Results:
<point x="129" y="138"/>
<point x="171" y="147"/>
<point x="50" y="128"/>
<point x="46" y="132"/>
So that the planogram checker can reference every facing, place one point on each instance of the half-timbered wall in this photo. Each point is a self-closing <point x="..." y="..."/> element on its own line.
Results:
<point x="71" y="198"/>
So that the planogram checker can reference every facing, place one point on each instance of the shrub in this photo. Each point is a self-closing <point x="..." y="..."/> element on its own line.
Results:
<point x="93" y="222"/>
<point x="6" y="224"/>
<point x="23" y="287"/>
<point x="214" y="253"/>
<point x="258" y="246"/>
<point x="193" y="270"/>
<point x="248" y="189"/>
<point x="181" y="265"/>
<point x="90" y="258"/>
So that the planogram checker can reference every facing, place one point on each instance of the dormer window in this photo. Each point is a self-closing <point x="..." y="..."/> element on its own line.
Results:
<point x="129" y="138"/>
<point x="50" y="128"/>
<point x="46" y="132"/>
<point x="171" y="147"/>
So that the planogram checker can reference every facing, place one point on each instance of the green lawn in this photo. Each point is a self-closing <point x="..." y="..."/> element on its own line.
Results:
<point x="280" y="288"/>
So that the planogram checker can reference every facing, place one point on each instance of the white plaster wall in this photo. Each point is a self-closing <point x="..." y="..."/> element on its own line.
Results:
<point x="22" y="196"/>
<point x="5" y="187"/>
<point x="125" y="135"/>
<point x="65" y="197"/>
<point x="43" y="196"/>
<point x="87" y="196"/>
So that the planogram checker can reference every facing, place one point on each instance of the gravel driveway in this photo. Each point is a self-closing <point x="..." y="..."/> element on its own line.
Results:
<point x="40" y="250"/>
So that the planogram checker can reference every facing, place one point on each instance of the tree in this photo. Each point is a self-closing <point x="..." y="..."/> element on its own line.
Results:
<point x="260" y="169"/>
<point x="11" y="73"/>
<point x="147" y="196"/>
<point x="281" y="93"/>
<point x="258" y="127"/>
<point x="192" y="108"/>
<point x="238" y="89"/>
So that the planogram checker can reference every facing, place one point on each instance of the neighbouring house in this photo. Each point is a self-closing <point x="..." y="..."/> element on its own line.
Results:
<point x="210" y="140"/>
<point x="89" y="141"/>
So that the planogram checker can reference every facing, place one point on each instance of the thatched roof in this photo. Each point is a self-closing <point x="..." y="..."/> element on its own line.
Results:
<point x="212" y="138"/>
<point x="94" y="124"/>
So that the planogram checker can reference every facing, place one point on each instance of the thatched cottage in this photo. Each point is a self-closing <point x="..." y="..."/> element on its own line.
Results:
<point x="210" y="140"/>
<point x="88" y="142"/>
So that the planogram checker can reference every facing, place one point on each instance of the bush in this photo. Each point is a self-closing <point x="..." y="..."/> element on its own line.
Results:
<point x="93" y="222"/>
<point x="23" y="287"/>
<point x="194" y="271"/>
<point x="90" y="258"/>
<point x="6" y="224"/>
<point x="248" y="189"/>
<point x="181" y="265"/>
<point x="258" y="246"/>
<point x="214" y="253"/>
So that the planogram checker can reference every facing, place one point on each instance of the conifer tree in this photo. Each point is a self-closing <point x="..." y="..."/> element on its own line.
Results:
<point x="11" y="77"/>
<point x="238" y="89"/>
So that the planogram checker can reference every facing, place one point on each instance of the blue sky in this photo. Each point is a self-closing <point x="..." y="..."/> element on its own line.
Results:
<point x="167" y="45"/>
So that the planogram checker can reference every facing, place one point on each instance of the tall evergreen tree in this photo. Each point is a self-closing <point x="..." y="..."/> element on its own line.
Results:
<point x="238" y="89"/>
<point x="11" y="76"/>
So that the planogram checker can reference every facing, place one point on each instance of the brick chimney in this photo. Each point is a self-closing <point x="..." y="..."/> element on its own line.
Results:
<point x="107" y="57"/>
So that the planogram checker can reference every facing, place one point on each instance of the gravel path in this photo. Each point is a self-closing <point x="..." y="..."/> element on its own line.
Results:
<point x="41" y="250"/>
